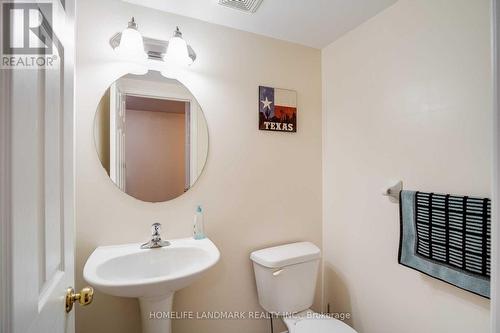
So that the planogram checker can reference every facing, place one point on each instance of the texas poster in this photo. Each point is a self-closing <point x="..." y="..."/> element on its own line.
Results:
<point x="277" y="109"/>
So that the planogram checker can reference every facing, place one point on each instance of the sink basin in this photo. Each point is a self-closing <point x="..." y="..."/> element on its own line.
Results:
<point x="152" y="275"/>
<point x="129" y="271"/>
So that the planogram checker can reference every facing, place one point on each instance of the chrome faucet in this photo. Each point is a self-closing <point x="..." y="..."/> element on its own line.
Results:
<point x="156" y="241"/>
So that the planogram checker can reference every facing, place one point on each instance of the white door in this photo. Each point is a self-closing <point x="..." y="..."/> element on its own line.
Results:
<point x="38" y="182"/>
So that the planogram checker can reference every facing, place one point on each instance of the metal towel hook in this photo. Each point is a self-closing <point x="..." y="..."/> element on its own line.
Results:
<point x="393" y="191"/>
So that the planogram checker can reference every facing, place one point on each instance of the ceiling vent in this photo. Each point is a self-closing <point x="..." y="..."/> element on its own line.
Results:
<point x="249" y="6"/>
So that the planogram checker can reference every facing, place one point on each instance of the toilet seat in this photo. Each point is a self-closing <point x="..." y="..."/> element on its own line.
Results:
<point x="320" y="325"/>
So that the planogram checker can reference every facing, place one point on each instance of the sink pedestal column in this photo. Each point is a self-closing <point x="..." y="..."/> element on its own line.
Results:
<point x="156" y="313"/>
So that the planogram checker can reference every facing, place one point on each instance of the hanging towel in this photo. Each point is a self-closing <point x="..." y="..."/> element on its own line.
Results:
<point x="447" y="237"/>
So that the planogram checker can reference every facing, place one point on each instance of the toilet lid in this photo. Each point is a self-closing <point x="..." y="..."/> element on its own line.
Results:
<point x="318" y="325"/>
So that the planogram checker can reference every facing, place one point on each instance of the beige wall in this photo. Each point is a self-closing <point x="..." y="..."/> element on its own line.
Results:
<point x="258" y="188"/>
<point x="407" y="96"/>
<point x="155" y="153"/>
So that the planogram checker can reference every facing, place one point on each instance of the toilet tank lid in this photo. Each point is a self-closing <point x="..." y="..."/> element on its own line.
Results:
<point x="286" y="255"/>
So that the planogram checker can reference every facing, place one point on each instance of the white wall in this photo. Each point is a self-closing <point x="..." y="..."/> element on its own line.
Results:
<point x="407" y="95"/>
<point x="258" y="188"/>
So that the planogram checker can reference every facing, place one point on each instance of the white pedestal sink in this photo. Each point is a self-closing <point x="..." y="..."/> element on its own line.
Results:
<point x="151" y="275"/>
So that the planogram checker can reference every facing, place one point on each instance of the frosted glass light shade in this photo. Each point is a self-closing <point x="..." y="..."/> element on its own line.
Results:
<point x="131" y="46"/>
<point x="177" y="51"/>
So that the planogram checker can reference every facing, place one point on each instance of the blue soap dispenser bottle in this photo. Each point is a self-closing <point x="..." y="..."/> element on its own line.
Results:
<point x="198" y="227"/>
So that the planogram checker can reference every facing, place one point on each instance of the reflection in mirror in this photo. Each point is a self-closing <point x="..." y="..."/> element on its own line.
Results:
<point x="151" y="136"/>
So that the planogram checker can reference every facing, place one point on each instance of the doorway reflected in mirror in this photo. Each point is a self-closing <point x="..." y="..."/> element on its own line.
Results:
<point x="151" y="136"/>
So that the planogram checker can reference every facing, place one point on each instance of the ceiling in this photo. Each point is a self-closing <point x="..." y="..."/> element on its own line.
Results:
<point x="137" y="103"/>
<point x="314" y="23"/>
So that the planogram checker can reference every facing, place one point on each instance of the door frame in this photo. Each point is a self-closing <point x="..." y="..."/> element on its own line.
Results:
<point x="495" y="236"/>
<point x="5" y="195"/>
<point x="150" y="89"/>
<point x="190" y="133"/>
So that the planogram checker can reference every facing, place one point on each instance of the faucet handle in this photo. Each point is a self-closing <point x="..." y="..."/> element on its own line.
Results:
<point x="156" y="240"/>
<point x="155" y="229"/>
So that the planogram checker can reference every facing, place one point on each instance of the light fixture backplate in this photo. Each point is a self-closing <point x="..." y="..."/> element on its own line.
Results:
<point x="249" y="6"/>
<point x="154" y="48"/>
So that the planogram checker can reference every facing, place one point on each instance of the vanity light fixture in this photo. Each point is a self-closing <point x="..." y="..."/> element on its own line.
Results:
<point x="131" y="44"/>
<point x="179" y="53"/>
<point x="168" y="56"/>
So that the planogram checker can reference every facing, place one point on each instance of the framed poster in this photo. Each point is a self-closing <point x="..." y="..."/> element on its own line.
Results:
<point x="277" y="109"/>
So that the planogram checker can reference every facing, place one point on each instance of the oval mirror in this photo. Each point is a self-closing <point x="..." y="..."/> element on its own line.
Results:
<point x="151" y="136"/>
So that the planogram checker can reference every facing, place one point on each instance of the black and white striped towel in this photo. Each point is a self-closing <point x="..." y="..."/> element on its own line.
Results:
<point x="447" y="237"/>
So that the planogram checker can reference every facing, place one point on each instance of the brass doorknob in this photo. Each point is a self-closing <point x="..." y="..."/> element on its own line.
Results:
<point x="84" y="297"/>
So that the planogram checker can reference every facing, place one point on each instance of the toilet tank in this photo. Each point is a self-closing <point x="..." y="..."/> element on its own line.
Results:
<point x="286" y="277"/>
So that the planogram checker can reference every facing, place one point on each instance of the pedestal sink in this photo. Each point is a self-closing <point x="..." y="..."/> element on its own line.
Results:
<point x="151" y="275"/>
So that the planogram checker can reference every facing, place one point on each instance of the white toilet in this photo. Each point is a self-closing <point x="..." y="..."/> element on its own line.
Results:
<point x="286" y="281"/>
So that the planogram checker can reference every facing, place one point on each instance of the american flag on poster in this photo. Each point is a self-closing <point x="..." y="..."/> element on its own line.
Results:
<point x="277" y="109"/>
